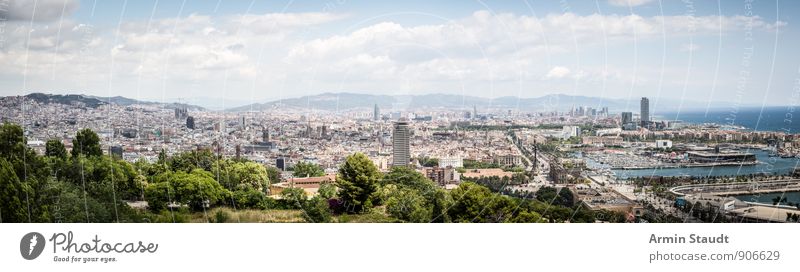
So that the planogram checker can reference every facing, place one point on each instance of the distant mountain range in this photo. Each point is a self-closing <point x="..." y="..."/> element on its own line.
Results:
<point x="553" y="102"/>
<point x="386" y="103"/>
<point x="96" y="101"/>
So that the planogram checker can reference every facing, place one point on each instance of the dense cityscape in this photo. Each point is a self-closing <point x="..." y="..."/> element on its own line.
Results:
<point x="602" y="164"/>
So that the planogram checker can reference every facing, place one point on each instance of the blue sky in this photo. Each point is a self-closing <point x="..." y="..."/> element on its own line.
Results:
<point x="237" y="52"/>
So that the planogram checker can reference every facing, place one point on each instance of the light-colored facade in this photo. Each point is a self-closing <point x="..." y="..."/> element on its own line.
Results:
<point x="401" y="147"/>
<point x="454" y="162"/>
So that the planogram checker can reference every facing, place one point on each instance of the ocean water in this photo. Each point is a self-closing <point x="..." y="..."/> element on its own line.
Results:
<point x="793" y="197"/>
<point x="766" y="165"/>
<point x="783" y="119"/>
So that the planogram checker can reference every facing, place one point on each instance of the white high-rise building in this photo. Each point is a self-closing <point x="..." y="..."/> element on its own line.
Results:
<point x="401" y="146"/>
<point x="571" y="131"/>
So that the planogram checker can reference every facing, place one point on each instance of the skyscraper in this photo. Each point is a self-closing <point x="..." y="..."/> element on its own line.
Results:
<point x="376" y="115"/>
<point x="627" y="118"/>
<point x="474" y="112"/>
<point x="645" y="114"/>
<point x="401" y="147"/>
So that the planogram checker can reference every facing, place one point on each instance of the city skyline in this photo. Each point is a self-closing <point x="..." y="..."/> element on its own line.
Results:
<point x="238" y="53"/>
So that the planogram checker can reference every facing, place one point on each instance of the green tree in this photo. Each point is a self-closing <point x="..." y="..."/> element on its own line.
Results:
<point x="12" y="140"/>
<point x="409" y="178"/>
<point x="241" y="175"/>
<point x="251" y="199"/>
<point x="158" y="196"/>
<point x="55" y="148"/>
<point x="197" y="190"/>
<point x="294" y="198"/>
<point x="409" y="206"/>
<point x="441" y="204"/>
<point x="357" y="181"/>
<point x="12" y="195"/>
<point x="273" y="174"/>
<point x="327" y="190"/>
<point x="475" y="203"/>
<point x="556" y="196"/>
<point x="86" y="143"/>
<point x="188" y="161"/>
<point x="307" y="169"/>
<point x="316" y="210"/>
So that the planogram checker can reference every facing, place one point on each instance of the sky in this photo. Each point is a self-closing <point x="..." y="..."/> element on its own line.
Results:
<point x="238" y="52"/>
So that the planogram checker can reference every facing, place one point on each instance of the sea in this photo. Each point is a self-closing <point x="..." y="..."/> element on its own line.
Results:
<point x="766" y="165"/>
<point x="784" y="119"/>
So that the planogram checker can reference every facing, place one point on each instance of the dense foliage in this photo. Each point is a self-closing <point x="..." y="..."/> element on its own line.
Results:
<point x="86" y="186"/>
<point x="307" y="169"/>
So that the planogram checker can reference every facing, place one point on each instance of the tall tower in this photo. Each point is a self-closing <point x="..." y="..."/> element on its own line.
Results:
<point x="645" y="114"/>
<point x="401" y="147"/>
<point x="474" y="112"/>
<point x="376" y="114"/>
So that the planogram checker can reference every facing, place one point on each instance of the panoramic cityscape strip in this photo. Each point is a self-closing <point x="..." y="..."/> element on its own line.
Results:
<point x="75" y="158"/>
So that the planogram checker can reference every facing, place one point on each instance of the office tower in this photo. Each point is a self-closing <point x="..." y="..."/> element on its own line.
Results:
<point x="474" y="112"/>
<point x="242" y="122"/>
<point x="376" y="115"/>
<point x="627" y="118"/>
<point x="645" y="115"/>
<point x="401" y="147"/>
<point x="190" y="122"/>
<point x="280" y="163"/>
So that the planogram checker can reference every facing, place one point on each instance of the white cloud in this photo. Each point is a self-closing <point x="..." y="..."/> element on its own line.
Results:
<point x="41" y="10"/>
<point x="478" y="52"/>
<point x="558" y="72"/>
<point x="625" y="3"/>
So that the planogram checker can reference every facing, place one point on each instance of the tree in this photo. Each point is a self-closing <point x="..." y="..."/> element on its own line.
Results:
<point x="475" y="203"/>
<point x="316" y="210"/>
<point x="12" y="140"/>
<point x="555" y="196"/>
<point x="327" y="190"/>
<point x="188" y="161"/>
<point x="411" y="179"/>
<point x="441" y="203"/>
<point x="86" y="143"/>
<point x="158" y="196"/>
<point x="273" y="174"/>
<point x="294" y="197"/>
<point x="12" y="195"/>
<point x="469" y="200"/>
<point x="241" y="175"/>
<point x="527" y="217"/>
<point x="409" y="206"/>
<point x="358" y="181"/>
<point x="197" y="190"/>
<point x="251" y="199"/>
<point x="55" y="148"/>
<point x="307" y="169"/>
